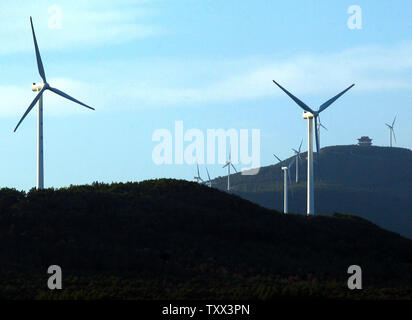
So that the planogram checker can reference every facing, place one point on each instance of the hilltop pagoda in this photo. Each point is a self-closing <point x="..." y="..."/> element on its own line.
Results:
<point x="365" y="141"/>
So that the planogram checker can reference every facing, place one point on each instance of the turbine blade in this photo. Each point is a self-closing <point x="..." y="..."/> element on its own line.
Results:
<point x="38" y="57"/>
<point x="330" y="101"/>
<point x="323" y="126"/>
<point x="393" y="132"/>
<point x="299" y="102"/>
<point x="393" y="123"/>
<point x="225" y="165"/>
<point x="389" y="126"/>
<point x="317" y="135"/>
<point x="296" y="151"/>
<point x="208" y="174"/>
<point x="234" y="167"/>
<point x="300" y="146"/>
<point x="277" y="157"/>
<point x="317" y="168"/>
<point x="197" y="165"/>
<point x="65" y="95"/>
<point x="289" y="178"/>
<point x="292" y="163"/>
<point x="32" y="104"/>
<point x="290" y="184"/>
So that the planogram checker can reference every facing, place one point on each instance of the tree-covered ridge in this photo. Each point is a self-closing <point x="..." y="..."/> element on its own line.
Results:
<point x="189" y="240"/>
<point x="372" y="168"/>
<point x="371" y="182"/>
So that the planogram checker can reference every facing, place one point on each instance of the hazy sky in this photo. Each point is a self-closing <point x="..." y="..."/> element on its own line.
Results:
<point x="146" y="64"/>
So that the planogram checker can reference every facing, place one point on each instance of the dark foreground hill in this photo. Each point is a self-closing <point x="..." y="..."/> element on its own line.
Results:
<point x="374" y="183"/>
<point x="176" y="239"/>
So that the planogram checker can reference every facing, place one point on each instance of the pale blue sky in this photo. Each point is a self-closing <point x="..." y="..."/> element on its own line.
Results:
<point x="146" y="64"/>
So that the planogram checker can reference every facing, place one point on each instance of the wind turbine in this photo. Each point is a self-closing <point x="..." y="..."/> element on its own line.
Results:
<point x="286" y="178"/>
<point x="209" y="181"/>
<point x="298" y="158"/>
<point x="310" y="114"/>
<point x="320" y="125"/>
<point x="391" y="131"/>
<point x="40" y="88"/>
<point x="228" y="165"/>
<point x="198" y="179"/>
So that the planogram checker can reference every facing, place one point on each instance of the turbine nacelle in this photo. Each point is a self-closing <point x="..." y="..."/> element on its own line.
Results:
<point x="308" y="115"/>
<point x="36" y="87"/>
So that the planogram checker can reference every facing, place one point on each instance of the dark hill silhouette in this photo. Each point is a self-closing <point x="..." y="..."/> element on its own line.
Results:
<point x="176" y="239"/>
<point x="371" y="182"/>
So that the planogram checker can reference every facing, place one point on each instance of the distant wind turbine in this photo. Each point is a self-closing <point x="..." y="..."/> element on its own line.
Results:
<point x="228" y="165"/>
<point x="310" y="114"/>
<point x="286" y="178"/>
<point x="209" y="181"/>
<point x="298" y="158"/>
<point x="198" y="179"/>
<point x="320" y="125"/>
<point x="40" y="88"/>
<point x="391" y="131"/>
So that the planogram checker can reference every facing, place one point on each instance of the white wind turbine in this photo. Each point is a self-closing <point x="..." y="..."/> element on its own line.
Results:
<point x="40" y="88"/>
<point x="298" y="159"/>
<point x="391" y="131"/>
<point x="209" y="181"/>
<point x="198" y="179"/>
<point x="228" y="165"/>
<point x="286" y="178"/>
<point x="310" y="114"/>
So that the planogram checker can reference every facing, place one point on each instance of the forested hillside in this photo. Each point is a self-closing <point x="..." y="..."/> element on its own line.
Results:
<point x="371" y="182"/>
<point x="176" y="239"/>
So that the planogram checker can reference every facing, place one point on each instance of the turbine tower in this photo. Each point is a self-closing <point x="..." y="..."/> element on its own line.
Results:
<point x="391" y="131"/>
<point x="286" y="178"/>
<point x="198" y="179"/>
<point x="310" y="114"/>
<point x="298" y="158"/>
<point x="228" y="165"/>
<point x="40" y="88"/>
